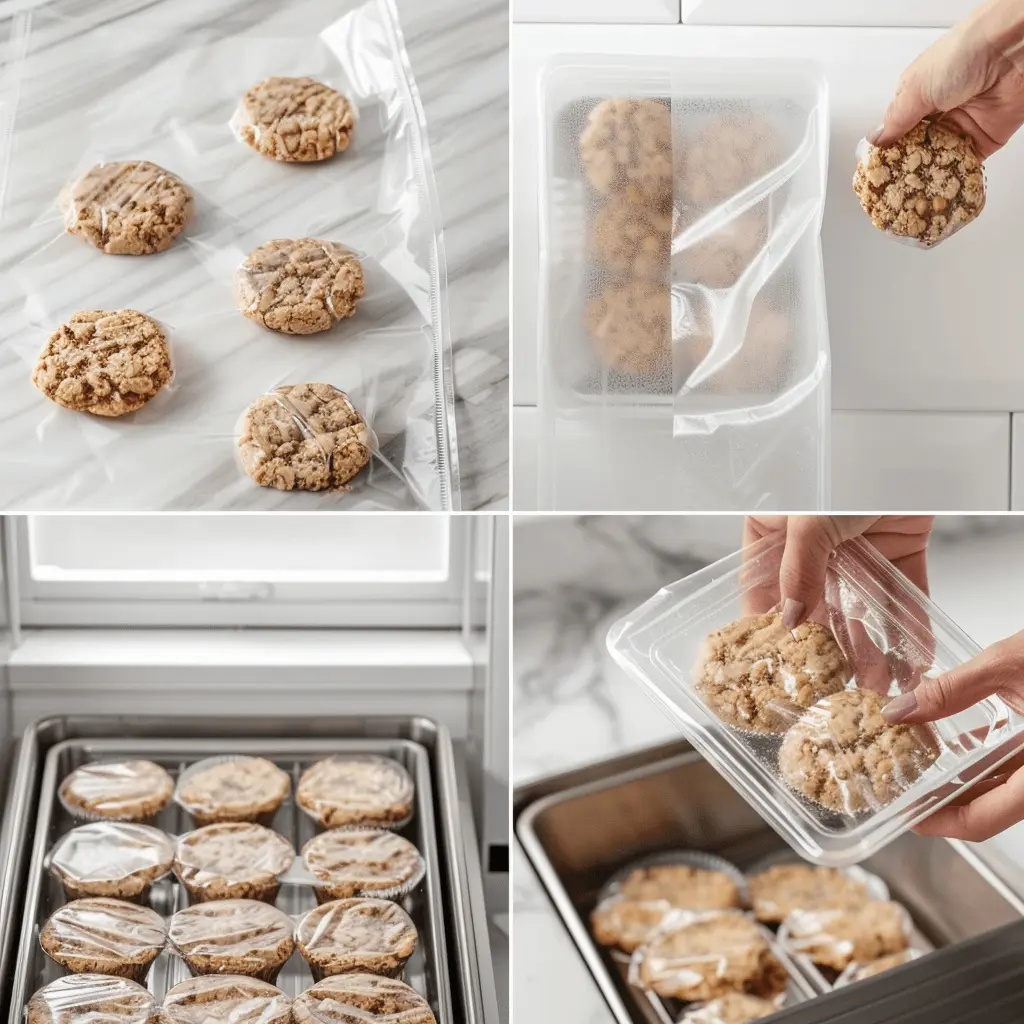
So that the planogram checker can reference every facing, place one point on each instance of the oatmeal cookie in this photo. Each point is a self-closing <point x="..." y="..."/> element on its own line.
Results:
<point x="299" y="285"/>
<point x="356" y="936"/>
<point x="632" y="239"/>
<point x="755" y="674"/>
<point x="111" y="858"/>
<point x="95" y="998"/>
<point x="297" y="120"/>
<point x="783" y="888"/>
<point x="97" y="935"/>
<point x="243" y="789"/>
<point x="842" y="754"/>
<point x="361" y="862"/>
<point x="838" y="938"/>
<point x="233" y="937"/>
<point x="924" y="186"/>
<point x="361" y="999"/>
<point x="626" y="146"/>
<point x="232" y="860"/>
<point x="883" y="964"/>
<point x="356" y="791"/>
<point x="626" y="924"/>
<point x="734" y="1008"/>
<point x="719" y="259"/>
<point x="118" y="790"/>
<point x="703" y="956"/>
<point x="307" y="437"/>
<point x="107" y="362"/>
<point x="726" y="157"/>
<point x="128" y="208"/>
<point x="629" y="325"/>
<point x="226" y="997"/>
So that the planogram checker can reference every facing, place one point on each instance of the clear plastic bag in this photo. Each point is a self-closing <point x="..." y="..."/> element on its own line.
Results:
<point x="232" y="787"/>
<point x="96" y="998"/>
<point x="355" y="861"/>
<point x="172" y="105"/>
<point x="682" y="314"/>
<point x="793" y="720"/>
<point x="735" y="1008"/>
<point x="871" y="969"/>
<point x="357" y="789"/>
<point x="230" y="999"/>
<point x="345" y="998"/>
<point x="116" y="791"/>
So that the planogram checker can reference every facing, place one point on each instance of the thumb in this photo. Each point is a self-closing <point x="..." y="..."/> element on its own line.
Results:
<point x="908" y="106"/>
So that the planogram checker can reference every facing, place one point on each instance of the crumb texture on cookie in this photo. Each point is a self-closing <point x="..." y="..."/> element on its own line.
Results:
<point x="884" y="963"/>
<point x="239" y="789"/>
<point x="783" y="888"/>
<point x="629" y="325"/>
<point x="356" y="791"/>
<point x="96" y="998"/>
<point x="734" y="1008"/>
<point x="727" y="156"/>
<point x="107" y="362"/>
<point x="297" y="120"/>
<point x="632" y="239"/>
<point x="361" y="862"/>
<point x="233" y="998"/>
<point x="118" y="790"/>
<point x="838" y="938"/>
<point x="359" y="998"/>
<point x="232" y="860"/>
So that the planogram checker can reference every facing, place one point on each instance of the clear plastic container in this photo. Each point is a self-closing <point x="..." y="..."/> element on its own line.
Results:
<point x="814" y="757"/>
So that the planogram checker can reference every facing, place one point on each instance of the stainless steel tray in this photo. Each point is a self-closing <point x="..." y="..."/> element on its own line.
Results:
<point x="578" y="828"/>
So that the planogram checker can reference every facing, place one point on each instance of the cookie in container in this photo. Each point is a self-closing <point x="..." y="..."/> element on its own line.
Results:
<point x="362" y="862"/>
<point x="355" y="998"/>
<point x="117" y="791"/>
<point x="230" y="788"/>
<point x="233" y="998"/>
<point x="95" y="998"/>
<point x="357" y="790"/>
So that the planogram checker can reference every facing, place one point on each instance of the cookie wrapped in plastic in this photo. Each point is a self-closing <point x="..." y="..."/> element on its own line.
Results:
<point x="356" y="790"/>
<point x="783" y="888"/>
<point x="117" y="790"/>
<point x="735" y="1008"/>
<point x="632" y="239"/>
<point x="359" y="999"/>
<point x="362" y="862"/>
<point x="230" y="998"/>
<point x="95" y="998"/>
<point x="223" y="789"/>
<point x="871" y="969"/>
<point x="837" y="938"/>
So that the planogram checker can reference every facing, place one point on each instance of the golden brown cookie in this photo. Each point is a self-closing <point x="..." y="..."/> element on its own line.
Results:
<point x="632" y="239"/>
<point x="107" y="362"/>
<point x="626" y="146"/>
<point x="118" y="790"/>
<point x="299" y="285"/>
<point x="756" y="674"/>
<point x="356" y="791"/>
<point x="226" y="997"/>
<point x="95" y="998"/>
<point x="305" y="437"/>
<point x="629" y="325"/>
<point x="837" y="938"/>
<point x="361" y="999"/>
<point x="727" y="156"/>
<point x="883" y="964"/>
<point x="841" y="753"/>
<point x="924" y="186"/>
<point x="242" y="789"/>
<point x="734" y="1008"/>
<point x="295" y="119"/>
<point x="779" y="890"/>
<point x="361" y="862"/>
<point x="127" y="208"/>
<point x="626" y="924"/>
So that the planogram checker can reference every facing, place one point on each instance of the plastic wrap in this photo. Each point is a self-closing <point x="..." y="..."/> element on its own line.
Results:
<point x="203" y="113"/>
<point x="356" y="936"/>
<point x="350" y="862"/>
<point x="793" y="720"/>
<point x="97" y="935"/>
<point x="95" y="998"/>
<point x="227" y="999"/>
<point x="779" y="888"/>
<point x="358" y="998"/>
<point x="116" y="791"/>
<point x="863" y="971"/>
<point x="357" y="790"/>
<point x="682" y="314"/>
<point x="731" y="1009"/>
<point x="232" y="788"/>
<point x="110" y="858"/>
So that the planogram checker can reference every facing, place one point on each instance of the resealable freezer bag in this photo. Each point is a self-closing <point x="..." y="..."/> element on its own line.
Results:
<point x="682" y="314"/>
<point x="275" y="257"/>
<point x="792" y="718"/>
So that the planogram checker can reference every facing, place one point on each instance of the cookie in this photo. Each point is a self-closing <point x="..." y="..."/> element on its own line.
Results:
<point x="356" y="791"/>
<point x="778" y="891"/>
<point x="626" y="924"/>
<point x="95" y="998"/>
<point x="305" y="437"/>
<point x="297" y="120"/>
<point x="361" y="862"/>
<point x="629" y="326"/>
<point x="755" y="674"/>
<point x="118" y="790"/>
<point x="924" y="186"/>
<point x="704" y="956"/>
<point x="299" y="285"/>
<point x="111" y="858"/>
<point x="883" y="964"/>
<point x="226" y="997"/>
<point x="626" y="146"/>
<point x="241" y="789"/>
<point x="734" y="1008"/>
<point x="838" y="938"/>
<point x="718" y="259"/>
<point x="97" y="935"/>
<point x="356" y="936"/>
<point x="232" y="860"/>
<point x="107" y="362"/>
<point x="727" y="156"/>
<point x="361" y="999"/>
<point x="632" y="239"/>
<point x="842" y="754"/>
<point x="128" y="208"/>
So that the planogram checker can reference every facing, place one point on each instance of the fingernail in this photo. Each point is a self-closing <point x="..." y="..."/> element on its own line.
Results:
<point x="792" y="613"/>
<point x="876" y="134"/>
<point x="900" y="707"/>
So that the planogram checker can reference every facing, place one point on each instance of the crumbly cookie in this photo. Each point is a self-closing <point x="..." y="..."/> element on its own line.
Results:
<point x="629" y="325"/>
<point x="924" y="186"/>
<point x="118" y="790"/>
<point x="297" y="120"/>
<point x="727" y="156"/>
<point x="232" y="860"/>
<point x="779" y="890"/>
<point x="719" y="259"/>
<point x="734" y="1008"/>
<point x="299" y="285"/>
<point x="626" y="924"/>
<point x="244" y="789"/>
<point x="756" y="674"/>
<point x="356" y="936"/>
<point x="356" y="791"/>
<point x="361" y="862"/>
<point x="111" y="858"/>
<point x="226" y="997"/>
<point x="361" y="998"/>
<point x="95" y="998"/>
<point x="704" y="956"/>
<point x="626" y="146"/>
<point x="838" y="938"/>
<point x="632" y="239"/>
<point x="841" y="753"/>
<point x="107" y="362"/>
<point x="128" y="208"/>
<point x="883" y="964"/>
<point x="305" y="437"/>
<point x="97" y="935"/>
<point x="233" y="937"/>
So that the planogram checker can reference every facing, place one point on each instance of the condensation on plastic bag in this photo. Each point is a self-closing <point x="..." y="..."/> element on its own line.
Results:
<point x="230" y="999"/>
<point x="834" y="778"/>
<point x="116" y="791"/>
<point x="735" y="1008"/>
<point x="346" y="997"/>
<point x="357" y="789"/>
<point x="96" y="998"/>
<point x="232" y="787"/>
<point x="356" y="861"/>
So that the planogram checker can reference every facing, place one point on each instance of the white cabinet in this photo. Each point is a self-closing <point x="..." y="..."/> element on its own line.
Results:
<point x="826" y="12"/>
<point x="663" y="12"/>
